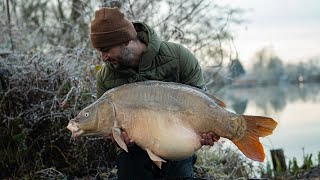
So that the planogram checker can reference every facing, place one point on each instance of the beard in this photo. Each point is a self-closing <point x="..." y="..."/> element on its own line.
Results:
<point x="125" y="58"/>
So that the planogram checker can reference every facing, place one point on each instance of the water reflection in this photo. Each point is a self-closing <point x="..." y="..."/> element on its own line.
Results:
<point x="239" y="106"/>
<point x="268" y="99"/>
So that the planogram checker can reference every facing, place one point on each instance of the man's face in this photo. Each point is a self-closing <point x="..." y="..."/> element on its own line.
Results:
<point x="119" y="56"/>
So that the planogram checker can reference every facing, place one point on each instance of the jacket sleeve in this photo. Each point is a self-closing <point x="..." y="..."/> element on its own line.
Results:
<point x="100" y="76"/>
<point x="190" y="70"/>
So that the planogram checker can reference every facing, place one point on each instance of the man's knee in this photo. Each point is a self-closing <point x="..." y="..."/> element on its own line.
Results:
<point x="134" y="165"/>
<point x="180" y="169"/>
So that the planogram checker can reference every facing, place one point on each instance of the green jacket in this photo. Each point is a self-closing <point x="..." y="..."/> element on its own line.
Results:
<point x="162" y="61"/>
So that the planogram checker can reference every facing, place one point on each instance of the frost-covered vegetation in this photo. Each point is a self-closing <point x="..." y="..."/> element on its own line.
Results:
<point x="268" y="68"/>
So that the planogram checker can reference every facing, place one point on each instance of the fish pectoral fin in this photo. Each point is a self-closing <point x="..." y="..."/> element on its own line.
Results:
<point x="116" y="133"/>
<point x="156" y="159"/>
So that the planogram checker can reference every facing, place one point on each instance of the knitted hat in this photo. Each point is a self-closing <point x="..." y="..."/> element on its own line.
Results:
<point x="110" y="28"/>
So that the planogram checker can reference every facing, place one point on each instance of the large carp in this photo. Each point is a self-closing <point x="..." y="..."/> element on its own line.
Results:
<point x="165" y="119"/>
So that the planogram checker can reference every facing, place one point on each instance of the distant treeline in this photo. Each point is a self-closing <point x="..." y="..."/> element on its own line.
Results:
<point x="267" y="69"/>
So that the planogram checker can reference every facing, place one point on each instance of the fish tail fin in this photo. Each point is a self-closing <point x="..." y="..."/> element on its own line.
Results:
<point x="257" y="126"/>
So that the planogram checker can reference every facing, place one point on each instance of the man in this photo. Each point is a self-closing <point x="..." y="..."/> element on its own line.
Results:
<point x="133" y="52"/>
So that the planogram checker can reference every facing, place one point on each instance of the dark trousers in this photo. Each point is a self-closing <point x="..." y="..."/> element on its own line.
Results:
<point x="137" y="165"/>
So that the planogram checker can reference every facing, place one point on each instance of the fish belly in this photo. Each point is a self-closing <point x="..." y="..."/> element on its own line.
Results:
<point x="162" y="132"/>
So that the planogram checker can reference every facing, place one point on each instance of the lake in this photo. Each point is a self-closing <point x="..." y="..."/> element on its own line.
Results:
<point x="295" y="107"/>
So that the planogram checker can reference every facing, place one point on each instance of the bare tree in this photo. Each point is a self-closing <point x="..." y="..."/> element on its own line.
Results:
<point x="201" y="25"/>
<point x="268" y="67"/>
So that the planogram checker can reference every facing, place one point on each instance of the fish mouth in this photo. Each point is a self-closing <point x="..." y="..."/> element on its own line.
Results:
<point x="75" y="130"/>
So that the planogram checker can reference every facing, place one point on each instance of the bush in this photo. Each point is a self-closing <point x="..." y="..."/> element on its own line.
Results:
<point x="40" y="92"/>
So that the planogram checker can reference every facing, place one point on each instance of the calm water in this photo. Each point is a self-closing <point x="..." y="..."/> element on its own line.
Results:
<point x="295" y="107"/>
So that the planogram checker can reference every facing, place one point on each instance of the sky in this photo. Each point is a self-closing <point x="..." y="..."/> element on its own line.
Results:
<point x="291" y="28"/>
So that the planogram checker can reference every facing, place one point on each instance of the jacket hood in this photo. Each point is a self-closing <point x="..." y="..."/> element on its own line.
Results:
<point x="148" y="36"/>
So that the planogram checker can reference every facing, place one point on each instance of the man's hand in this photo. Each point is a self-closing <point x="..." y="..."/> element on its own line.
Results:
<point x="125" y="138"/>
<point x="209" y="138"/>
<point x="129" y="142"/>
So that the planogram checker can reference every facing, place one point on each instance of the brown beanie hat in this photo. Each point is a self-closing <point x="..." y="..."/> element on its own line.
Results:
<point x="110" y="28"/>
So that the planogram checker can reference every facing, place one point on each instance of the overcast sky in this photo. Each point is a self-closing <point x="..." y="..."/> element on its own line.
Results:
<point x="290" y="27"/>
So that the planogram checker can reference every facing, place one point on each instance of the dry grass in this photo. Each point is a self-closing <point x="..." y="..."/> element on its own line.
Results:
<point x="220" y="162"/>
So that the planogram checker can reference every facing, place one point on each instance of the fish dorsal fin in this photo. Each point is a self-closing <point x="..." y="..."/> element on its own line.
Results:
<point x="156" y="159"/>
<point x="218" y="101"/>
<point x="116" y="133"/>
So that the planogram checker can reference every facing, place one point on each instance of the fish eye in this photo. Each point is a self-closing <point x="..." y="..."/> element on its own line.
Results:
<point x="86" y="114"/>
